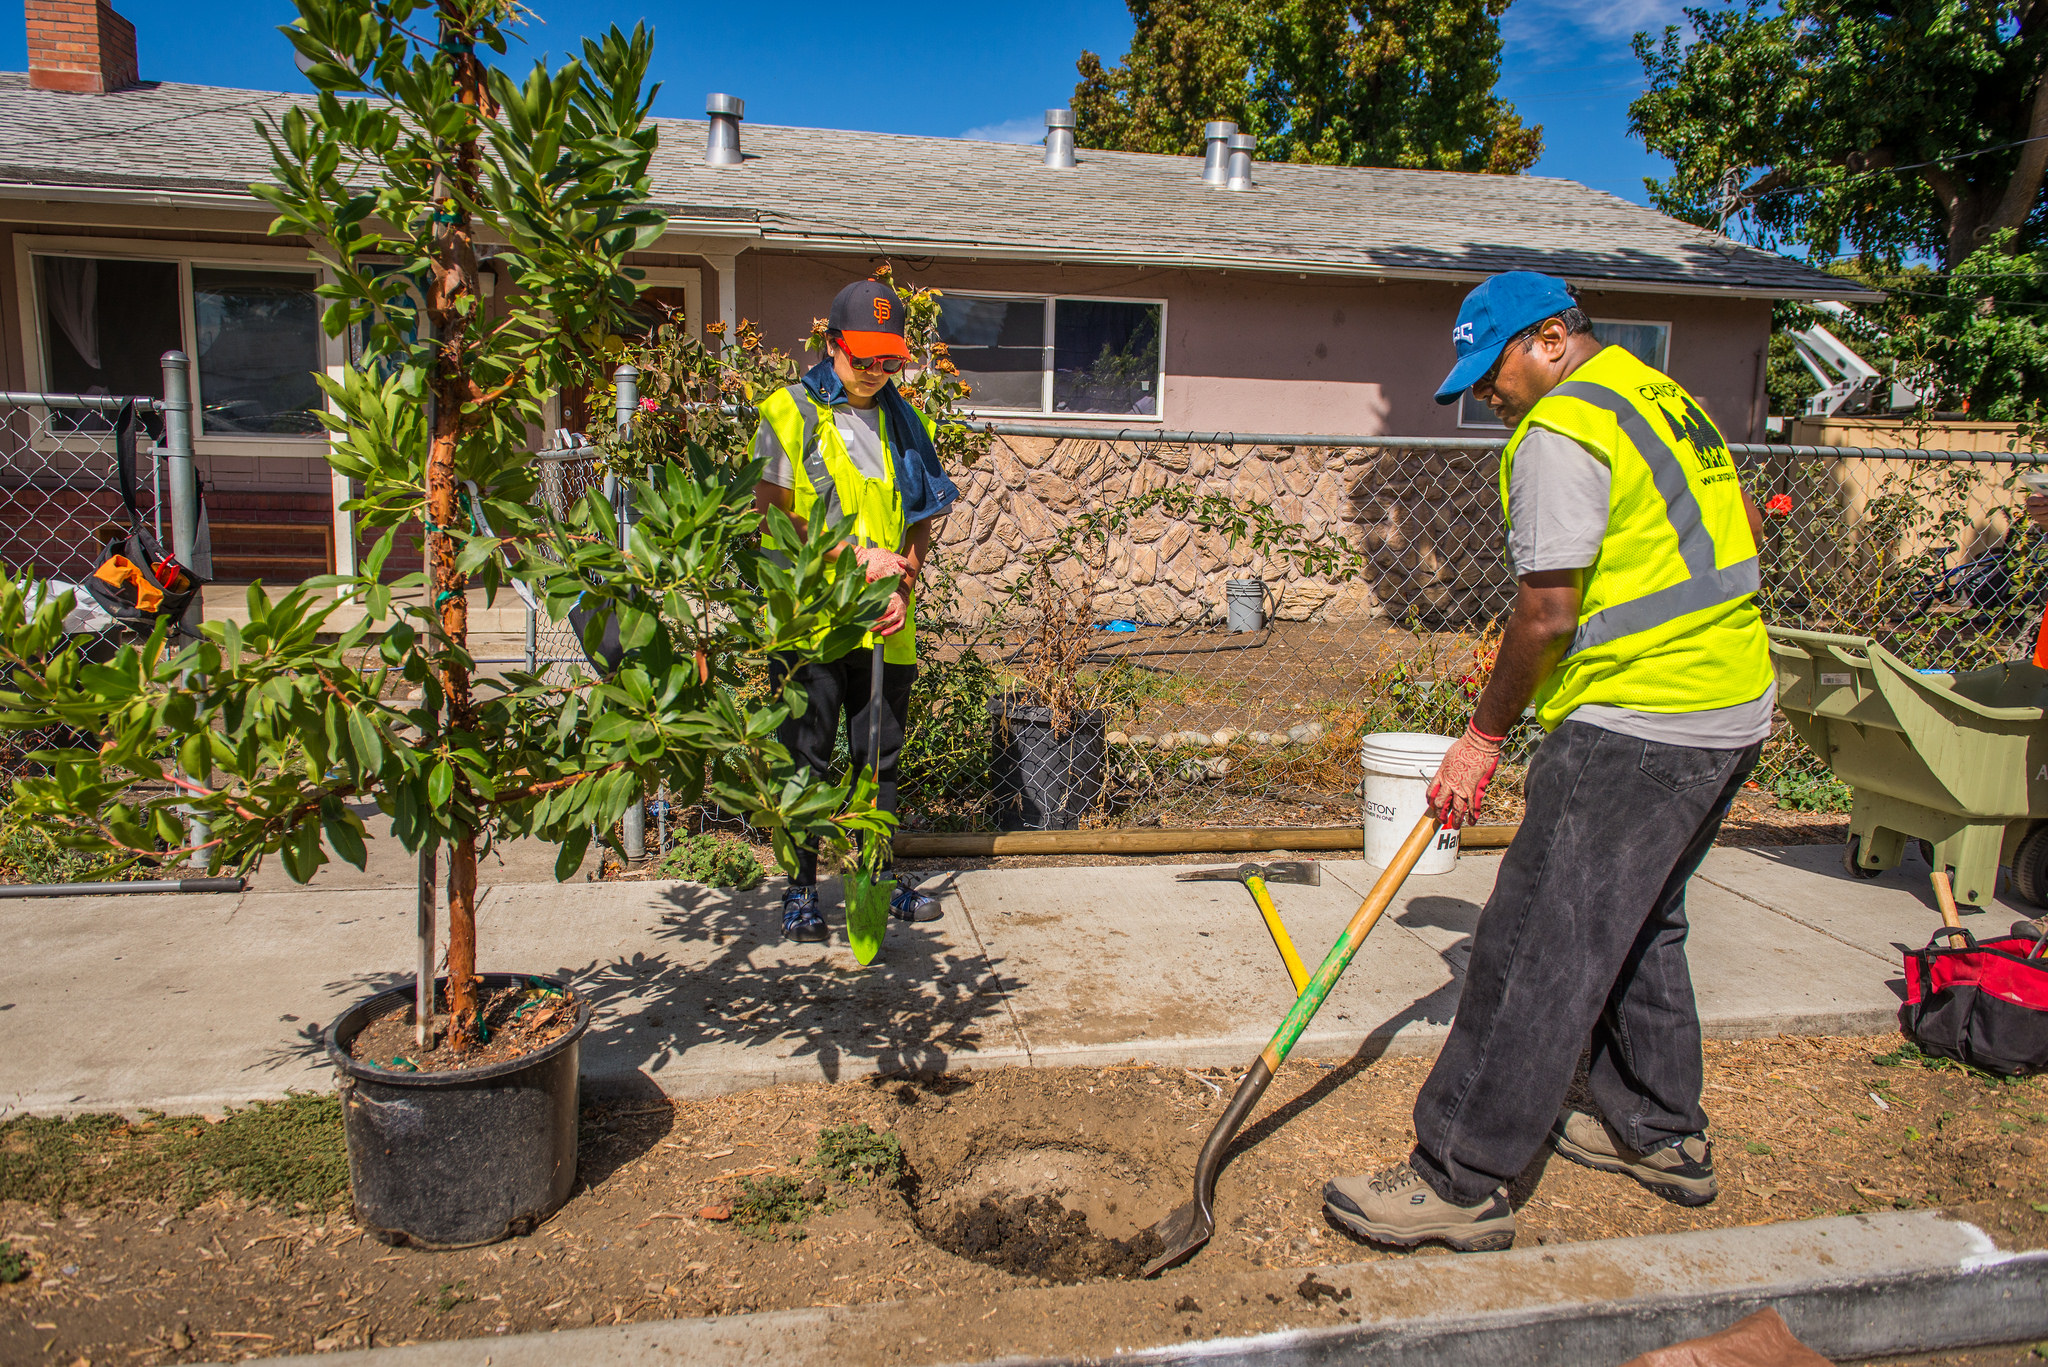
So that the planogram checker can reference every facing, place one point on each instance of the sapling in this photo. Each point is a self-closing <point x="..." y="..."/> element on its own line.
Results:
<point x="418" y="159"/>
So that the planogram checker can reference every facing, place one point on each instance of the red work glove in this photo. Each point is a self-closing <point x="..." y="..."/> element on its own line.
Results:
<point x="1458" y="789"/>
<point x="893" y="617"/>
<point x="880" y="564"/>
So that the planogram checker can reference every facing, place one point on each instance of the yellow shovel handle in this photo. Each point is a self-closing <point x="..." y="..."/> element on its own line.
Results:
<point x="1281" y="942"/>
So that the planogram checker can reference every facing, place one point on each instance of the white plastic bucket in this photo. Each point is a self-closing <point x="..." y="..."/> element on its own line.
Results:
<point x="1398" y="768"/>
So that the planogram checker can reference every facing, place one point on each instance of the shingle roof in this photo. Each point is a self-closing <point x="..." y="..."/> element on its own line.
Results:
<point x="868" y="191"/>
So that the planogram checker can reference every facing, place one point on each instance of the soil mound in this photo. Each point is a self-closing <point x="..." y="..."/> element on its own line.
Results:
<point x="1036" y="1236"/>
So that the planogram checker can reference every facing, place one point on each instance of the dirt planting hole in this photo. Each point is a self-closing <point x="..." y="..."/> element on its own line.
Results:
<point x="1063" y="1215"/>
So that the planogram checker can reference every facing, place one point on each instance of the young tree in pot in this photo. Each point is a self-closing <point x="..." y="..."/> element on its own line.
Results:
<point x="270" y="730"/>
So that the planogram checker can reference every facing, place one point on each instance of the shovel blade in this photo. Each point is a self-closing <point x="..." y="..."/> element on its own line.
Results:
<point x="867" y="916"/>
<point x="1182" y="1233"/>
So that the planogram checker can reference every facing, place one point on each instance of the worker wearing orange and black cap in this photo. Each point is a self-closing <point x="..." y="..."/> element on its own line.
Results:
<point x="844" y="443"/>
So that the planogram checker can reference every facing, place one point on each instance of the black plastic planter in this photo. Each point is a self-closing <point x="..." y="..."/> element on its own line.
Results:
<point x="461" y="1158"/>
<point x="1040" y="780"/>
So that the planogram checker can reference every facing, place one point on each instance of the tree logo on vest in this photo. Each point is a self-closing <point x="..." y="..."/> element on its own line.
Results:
<point x="1697" y="430"/>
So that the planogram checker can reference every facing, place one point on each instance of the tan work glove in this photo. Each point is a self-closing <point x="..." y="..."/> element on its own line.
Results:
<point x="880" y="564"/>
<point x="896" y="614"/>
<point x="1458" y="789"/>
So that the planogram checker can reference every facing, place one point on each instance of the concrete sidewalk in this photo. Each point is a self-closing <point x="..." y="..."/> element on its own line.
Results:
<point x="192" y="1002"/>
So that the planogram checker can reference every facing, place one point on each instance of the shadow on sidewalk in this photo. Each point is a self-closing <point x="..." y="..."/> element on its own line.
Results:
<point x="730" y="985"/>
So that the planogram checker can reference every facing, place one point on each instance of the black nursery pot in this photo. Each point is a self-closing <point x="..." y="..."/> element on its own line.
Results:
<point x="460" y="1158"/>
<point x="1039" y="780"/>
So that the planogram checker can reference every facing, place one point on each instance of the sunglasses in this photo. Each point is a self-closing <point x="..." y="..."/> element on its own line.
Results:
<point x="888" y="365"/>
<point x="1493" y="371"/>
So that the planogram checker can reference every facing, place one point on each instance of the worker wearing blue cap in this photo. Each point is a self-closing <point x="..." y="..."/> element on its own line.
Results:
<point x="1635" y="635"/>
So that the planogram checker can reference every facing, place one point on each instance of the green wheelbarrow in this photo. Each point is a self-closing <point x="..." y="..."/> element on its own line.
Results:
<point x="1958" y="762"/>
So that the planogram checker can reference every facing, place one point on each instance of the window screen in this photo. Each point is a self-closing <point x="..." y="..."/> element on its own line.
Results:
<point x="1647" y="342"/>
<point x="258" y="344"/>
<point x="106" y="322"/>
<point x="999" y="345"/>
<point x="1105" y="357"/>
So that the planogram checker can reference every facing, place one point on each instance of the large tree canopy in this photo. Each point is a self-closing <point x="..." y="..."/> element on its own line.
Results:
<point x="1331" y="82"/>
<point x="1890" y="129"/>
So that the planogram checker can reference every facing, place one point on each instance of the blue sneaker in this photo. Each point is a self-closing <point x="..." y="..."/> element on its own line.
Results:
<point x="908" y="904"/>
<point x="800" y="919"/>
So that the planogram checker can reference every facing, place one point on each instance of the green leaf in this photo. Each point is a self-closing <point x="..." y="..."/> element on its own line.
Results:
<point x="570" y="857"/>
<point x="440" y="785"/>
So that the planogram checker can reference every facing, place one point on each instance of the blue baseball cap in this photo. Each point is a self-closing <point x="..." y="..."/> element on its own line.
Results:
<point x="1497" y="308"/>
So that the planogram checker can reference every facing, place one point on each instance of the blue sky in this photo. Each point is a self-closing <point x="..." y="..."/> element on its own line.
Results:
<point x="984" y="70"/>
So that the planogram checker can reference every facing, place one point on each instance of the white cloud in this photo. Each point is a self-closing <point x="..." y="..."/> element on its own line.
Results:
<point x="1553" y="30"/>
<point x="1009" y="130"/>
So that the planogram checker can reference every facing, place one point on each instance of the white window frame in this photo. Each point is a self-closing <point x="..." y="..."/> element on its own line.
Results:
<point x="184" y="255"/>
<point x="1045" y="363"/>
<point x="1489" y="425"/>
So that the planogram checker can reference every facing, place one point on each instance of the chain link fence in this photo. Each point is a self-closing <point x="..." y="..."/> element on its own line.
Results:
<point x="59" y="490"/>
<point x="1226" y="617"/>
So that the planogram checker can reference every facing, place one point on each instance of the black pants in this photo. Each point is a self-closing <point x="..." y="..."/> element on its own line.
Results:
<point x="842" y="686"/>
<point x="1584" y="935"/>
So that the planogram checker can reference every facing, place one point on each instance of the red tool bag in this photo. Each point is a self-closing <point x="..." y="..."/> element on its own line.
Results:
<point x="1983" y="1004"/>
<point x="136" y="582"/>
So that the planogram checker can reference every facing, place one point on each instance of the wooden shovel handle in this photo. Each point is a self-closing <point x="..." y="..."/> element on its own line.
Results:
<point x="1945" y="898"/>
<point x="1310" y="999"/>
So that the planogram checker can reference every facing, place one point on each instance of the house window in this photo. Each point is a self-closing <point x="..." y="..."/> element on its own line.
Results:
<point x="1647" y="342"/>
<point x="104" y="313"/>
<point x="258" y="335"/>
<point x="105" y="323"/>
<point x="1087" y="357"/>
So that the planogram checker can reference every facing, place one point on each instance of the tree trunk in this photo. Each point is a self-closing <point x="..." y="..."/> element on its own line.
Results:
<point x="452" y="287"/>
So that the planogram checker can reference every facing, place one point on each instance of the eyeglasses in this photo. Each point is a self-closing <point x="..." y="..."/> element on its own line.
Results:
<point x="889" y="364"/>
<point x="1493" y="371"/>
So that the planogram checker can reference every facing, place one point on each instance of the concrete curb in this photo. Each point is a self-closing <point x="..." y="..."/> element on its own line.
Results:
<point x="1852" y="1286"/>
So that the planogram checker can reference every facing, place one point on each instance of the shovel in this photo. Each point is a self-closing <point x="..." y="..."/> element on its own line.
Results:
<point x="867" y="901"/>
<point x="1189" y="1227"/>
<point x="1255" y="877"/>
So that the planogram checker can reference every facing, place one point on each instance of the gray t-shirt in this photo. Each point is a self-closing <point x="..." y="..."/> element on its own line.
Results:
<point x="1558" y="501"/>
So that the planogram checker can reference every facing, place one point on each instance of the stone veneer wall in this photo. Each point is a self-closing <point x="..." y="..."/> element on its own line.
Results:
<point x="1427" y="522"/>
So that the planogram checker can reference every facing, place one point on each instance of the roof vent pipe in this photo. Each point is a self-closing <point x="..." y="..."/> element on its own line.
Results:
<point x="1216" y="156"/>
<point x="1059" y="137"/>
<point x="1241" y="145"/>
<point x="724" y="113"/>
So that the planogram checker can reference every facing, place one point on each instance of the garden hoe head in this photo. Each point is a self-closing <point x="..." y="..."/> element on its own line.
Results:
<point x="1306" y="871"/>
<point x="1184" y="1232"/>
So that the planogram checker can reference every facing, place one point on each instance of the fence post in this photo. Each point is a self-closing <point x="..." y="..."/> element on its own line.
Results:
<point x="627" y="380"/>
<point x="184" y="478"/>
<point x="184" y="481"/>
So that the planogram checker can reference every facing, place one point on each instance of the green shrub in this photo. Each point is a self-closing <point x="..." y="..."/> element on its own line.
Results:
<point x="764" y="1206"/>
<point x="1811" y="792"/>
<point x="28" y="855"/>
<point x="717" y="861"/>
<point x="13" y="1265"/>
<point x="855" y="1153"/>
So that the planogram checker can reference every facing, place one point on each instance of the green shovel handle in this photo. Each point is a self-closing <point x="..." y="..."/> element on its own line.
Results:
<point x="1310" y="999"/>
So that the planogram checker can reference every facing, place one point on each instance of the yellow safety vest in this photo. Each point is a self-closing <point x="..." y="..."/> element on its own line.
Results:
<point x="827" y="476"/>
<point x="1667" y="611"/>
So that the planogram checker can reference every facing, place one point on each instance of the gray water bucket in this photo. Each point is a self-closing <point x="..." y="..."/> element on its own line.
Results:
<point x="1246" y="603"/>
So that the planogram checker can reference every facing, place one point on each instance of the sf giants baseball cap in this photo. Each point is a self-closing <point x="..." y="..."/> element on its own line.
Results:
<point x="868" y="317"/>
<point x="1501" y="306"/>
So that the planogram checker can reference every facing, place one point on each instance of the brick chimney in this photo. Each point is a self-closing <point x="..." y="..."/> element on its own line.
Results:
<point x="80" y="46"/>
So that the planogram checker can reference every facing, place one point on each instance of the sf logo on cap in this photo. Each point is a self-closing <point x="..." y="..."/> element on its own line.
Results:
<point x="881" y="309"/>
<point x="1462" y="333"/>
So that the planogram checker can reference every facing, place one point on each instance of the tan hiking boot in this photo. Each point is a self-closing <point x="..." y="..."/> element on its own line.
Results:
<point x="1681" y="1172"/>
<point x="1398" y="1207"/>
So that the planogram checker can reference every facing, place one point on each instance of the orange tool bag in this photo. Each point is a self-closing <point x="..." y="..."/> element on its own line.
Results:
<point x="136" y="582"/>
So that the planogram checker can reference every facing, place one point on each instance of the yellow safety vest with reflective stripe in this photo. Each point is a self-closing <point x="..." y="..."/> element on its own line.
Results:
<point x="1667" y="611"/>
<point x="829" y="485"/>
